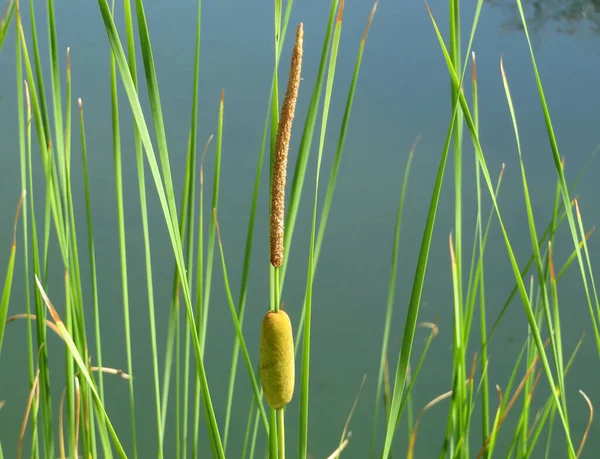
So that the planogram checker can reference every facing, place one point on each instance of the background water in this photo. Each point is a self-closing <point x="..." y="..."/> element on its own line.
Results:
<point x="403" y="92"/>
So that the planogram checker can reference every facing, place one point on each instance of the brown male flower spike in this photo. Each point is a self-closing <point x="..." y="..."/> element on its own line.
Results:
<point x="282" y="145"/>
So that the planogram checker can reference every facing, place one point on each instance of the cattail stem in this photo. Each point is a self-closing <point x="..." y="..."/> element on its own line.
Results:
<point x="276" y="288"/>
<point x="281" y="432"/>
<point x="273" y="447"/>
<point x="282" y="145"/>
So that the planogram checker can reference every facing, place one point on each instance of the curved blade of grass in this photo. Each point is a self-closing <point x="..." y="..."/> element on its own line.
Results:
<point x="583" y="245"/>
<point x="199" y="286"/>
<point x="432" y="403"/>
<point x="457" y="401"/>
<point x="305" y="144"/>
<point x="391" y="294"/>
<point x="554" y="331"/>
<point x="41" y="330"/>
<point x="80" y="363"/>
<point x="26" y="259"/>
<point x="415" y="373"/>
<point x="345" y="433"/>
<point x="573" y="255"/>
<point x="9" y="274"/>
<point x="71" y="309"/>
<point x="5" y="20"/>
<point x="238" y="331"/>
<point x="70" y="386"/>
<point x="480" y="279"/>
<point x="122" y="244"/>
<point x="203" y="294"/>
<point x="85" y="429"/>
<point x="461" y="329"/>
<point x="145" y="230"/>
<point x="248" y="425"/>
<point x="39" y="81"/>
<point x="56" y="100"/>
<point x="185" y="231"/>
<point x="457" y="416"/>
<point x="32" y="393"/>
<point x="342" y="137"/>
<point x="336" y="164"/>
<point x="305" y="371"/>
<point x="415" y="299"/>
<point x="211" y="227"/>
<point x="190" y="177"/>
<point x="530" y="383"/>
<point x="274" y="100"/>
<point x="253" y="444"/>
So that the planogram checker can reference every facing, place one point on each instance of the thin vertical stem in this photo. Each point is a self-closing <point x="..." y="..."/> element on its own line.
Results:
<point x="281" y="432"/>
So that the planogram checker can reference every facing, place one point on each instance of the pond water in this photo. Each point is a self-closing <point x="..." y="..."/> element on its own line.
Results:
<point x="402" y="93"/>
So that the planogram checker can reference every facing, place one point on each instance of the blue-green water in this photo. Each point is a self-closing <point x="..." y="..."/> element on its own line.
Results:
<point x="403" y="92"/>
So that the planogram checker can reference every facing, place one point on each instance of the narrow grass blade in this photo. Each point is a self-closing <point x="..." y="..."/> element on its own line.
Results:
<point x="391" y="295"/>
<point x="415" y="299"/>
<point x="190" y="177"/>
<point x="305" y="371"/>
<point x="238" y="330"/>
<point x="122" y="244"/>
<point x="26" y="253"/>
<point x="583" y="245"/>
<point x="305" y="144"/>
<point x="6" y="19"/>
<point x="9" y="274"/>
<point x="91" y="249"/>
<point x="553" y="331"/>
<point x="145" y="231"/>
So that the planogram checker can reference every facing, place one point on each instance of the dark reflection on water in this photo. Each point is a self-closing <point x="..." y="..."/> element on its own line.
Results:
<point x="571" y="17"/>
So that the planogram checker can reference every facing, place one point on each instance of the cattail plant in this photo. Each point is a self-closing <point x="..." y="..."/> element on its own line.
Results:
<point x="277" y="370"/>
<point x="276" y="345"/>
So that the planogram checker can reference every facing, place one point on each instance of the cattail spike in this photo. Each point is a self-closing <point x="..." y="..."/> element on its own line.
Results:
<point x="277" y="371"/>
<point x="282" y="145"/>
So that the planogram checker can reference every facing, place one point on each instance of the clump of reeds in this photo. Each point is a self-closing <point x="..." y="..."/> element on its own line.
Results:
<point x="282" y="145"/>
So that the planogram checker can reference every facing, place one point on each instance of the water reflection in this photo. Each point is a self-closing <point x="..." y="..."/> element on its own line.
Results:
<point x="571" y="17"/>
